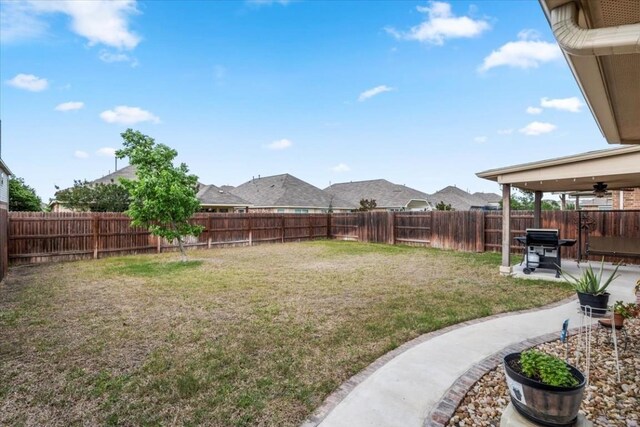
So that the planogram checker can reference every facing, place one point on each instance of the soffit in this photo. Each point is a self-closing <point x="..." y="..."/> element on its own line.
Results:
<point x="567" y="174"/>
<point x="610" y="84"/>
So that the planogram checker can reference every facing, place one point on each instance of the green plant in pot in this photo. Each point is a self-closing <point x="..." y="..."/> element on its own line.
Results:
<point x="591" y="288"/>
<point x="544" y="388"/>
<point x="621" y="311"/>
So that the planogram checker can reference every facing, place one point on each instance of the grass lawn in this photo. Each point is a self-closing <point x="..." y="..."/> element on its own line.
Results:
<point x="238" y="336"/>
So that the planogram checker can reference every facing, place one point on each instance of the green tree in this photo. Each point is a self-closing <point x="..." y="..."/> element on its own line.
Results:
<point x="441" y="206"/>
<point x="367" y="205"/>
<point x="84" y="196"/>
<point x="163" y="198"/>
<point x="22" y="197"/>
<point x="522" y="200"/>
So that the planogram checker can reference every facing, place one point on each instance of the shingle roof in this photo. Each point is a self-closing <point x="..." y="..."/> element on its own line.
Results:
<point x="488" y="197"/>
<point x="385" y="193"/>
<point x="212" y="195"/>
<point x="287" y="190"/>
<point x="459" y="199"/>
<point x="128" y="172"/>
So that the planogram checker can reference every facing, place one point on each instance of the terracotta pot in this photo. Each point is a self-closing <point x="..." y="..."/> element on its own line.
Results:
<point x="618" y="321"/>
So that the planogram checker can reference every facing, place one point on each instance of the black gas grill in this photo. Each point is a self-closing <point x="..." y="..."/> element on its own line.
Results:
<point x="542" y="249"/>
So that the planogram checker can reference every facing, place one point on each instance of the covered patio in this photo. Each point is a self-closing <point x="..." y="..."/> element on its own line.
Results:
<point x="595" y="171"/>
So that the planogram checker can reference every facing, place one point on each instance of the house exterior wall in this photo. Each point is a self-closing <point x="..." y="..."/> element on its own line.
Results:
<point x="300" y="210"/>
<point x="4" y="189"/>
<point x="629" y="199"/>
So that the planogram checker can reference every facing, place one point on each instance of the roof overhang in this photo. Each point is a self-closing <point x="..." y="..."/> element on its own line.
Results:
<point x="618" y="168"/>
<point x="601" y="43"/>
<point x="5" y="168"/>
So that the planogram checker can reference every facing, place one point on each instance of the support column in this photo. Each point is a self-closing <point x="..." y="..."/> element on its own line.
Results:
<point x="563" y="202"/>
<point x="537" y="209"/>
<point x="505" y="268"/>
<point x="577" y="203"/>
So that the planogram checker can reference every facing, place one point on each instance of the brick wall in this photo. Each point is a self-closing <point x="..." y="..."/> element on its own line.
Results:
<point x="631" y="199"/>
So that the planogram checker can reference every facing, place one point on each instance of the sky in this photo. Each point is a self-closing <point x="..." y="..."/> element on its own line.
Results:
<point x="421" y="93"/>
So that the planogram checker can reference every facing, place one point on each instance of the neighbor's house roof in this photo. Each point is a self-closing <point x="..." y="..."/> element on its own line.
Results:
<point x="385" y="193"/>
<point x="616" y="167"/>
<point x="601" y="43"/>
<point x="488" y="197"/>
<point x="287" y="191"/>
<point x="459" y="199"/>
<point x="127" y="172"/>
<point x="210" y="195"/>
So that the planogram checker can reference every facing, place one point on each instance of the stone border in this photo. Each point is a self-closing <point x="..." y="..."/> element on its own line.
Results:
<point x="334" y="399"/>
<point x="446" y="407"/>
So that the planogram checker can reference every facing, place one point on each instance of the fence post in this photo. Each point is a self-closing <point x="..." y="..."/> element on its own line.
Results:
<point x="329" y="225"/>
<point x="310" y="227"/>
<point x="159" y="244"/>
<point x="283" y="227"/>
<point x="96" y="235"/>
<point x="249" y="226"/>
<point x="210" y="230"/>
<point x="392" y="221"/>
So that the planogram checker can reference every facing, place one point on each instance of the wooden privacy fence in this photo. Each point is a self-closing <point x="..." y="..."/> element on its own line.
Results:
<point x="43" y="237"/>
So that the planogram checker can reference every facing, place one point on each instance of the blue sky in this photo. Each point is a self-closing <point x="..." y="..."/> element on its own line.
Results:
<point x="420" y="93"/>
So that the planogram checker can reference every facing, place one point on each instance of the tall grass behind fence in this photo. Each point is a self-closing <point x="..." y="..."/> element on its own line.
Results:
<point x="44" y="237"/>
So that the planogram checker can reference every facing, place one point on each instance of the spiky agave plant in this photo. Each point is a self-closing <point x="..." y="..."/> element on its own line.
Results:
<point x="591" y="282"/>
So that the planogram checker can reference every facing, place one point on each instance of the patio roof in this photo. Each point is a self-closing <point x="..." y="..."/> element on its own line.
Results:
<point x="616" y="167"/>
<point x="601" y="43"/>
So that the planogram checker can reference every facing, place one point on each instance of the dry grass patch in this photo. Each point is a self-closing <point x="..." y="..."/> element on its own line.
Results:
<point x="239" y="336"/>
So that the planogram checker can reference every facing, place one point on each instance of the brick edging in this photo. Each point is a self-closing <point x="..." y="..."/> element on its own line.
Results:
<point x="334" y="399"/>
<point x="446" y="407"/>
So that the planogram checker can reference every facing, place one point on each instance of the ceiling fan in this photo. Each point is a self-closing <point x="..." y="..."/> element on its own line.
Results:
<point x="600" y="189"/>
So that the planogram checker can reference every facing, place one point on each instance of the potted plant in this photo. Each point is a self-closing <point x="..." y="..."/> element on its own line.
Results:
<point x="621" y="311"/>
<point x="544" y="388"/>
<point x="592" y="288"/>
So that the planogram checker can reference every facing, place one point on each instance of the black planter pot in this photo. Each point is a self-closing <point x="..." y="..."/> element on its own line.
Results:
<point x="541" y="403"/>
<point x="598" y="303"/>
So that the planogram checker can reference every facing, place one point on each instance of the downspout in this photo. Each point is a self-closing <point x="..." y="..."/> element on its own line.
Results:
<point x="622" y="39"/>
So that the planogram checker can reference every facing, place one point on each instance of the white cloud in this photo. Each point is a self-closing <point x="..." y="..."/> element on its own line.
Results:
<point x="481" y="139"/>
<point x="123" y="114"/>
<point x="18" y="22"/>
<point x="527" y="52"/>
<point x="106" y="152"/>
<point x="505" y="131"/>
<point x="572" y="104"/>
<point x="373" y="92"/>
<point x="538" y="128"/>
<point x="28" y="82"/>
<point x="280" y="144"/>
<point x="341" y="167"/>
<point x="534" y="110"/>
<point x="441" y="24"/>
<point x="268" y="2"/>
<point x="110" y="57"/>
<point x="99" y="21"/>
<point x="69" y="106"/>
<point x="79" y="154"/>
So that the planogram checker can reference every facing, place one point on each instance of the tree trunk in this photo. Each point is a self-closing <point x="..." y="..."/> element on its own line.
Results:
<point x="183" y="254"/>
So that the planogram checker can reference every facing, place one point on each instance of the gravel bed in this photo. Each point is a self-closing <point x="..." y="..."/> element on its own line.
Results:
<point x="605" y="403"/>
